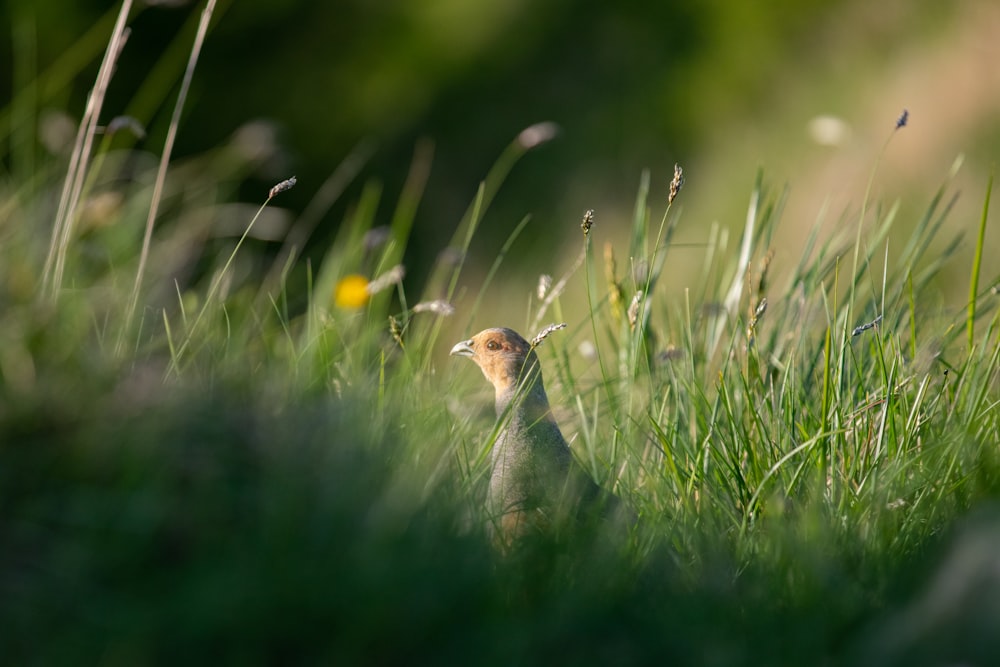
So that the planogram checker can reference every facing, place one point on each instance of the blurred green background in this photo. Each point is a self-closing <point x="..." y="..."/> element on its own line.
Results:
<point x="809" y="91"/>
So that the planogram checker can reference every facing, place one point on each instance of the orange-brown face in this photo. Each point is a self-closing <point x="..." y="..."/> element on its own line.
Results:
<point x="500" y="353"/>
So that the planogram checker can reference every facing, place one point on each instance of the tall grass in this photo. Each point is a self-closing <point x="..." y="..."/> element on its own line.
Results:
<point x="266" y="474"/>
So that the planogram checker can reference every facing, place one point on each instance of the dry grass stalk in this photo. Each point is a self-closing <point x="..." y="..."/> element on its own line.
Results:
<point x="168" y="147"/>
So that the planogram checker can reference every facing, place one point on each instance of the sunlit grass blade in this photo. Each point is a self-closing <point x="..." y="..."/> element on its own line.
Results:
<point x="976" y="266"/>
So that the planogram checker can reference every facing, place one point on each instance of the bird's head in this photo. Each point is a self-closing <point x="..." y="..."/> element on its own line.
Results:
<point x="505" y="357"/>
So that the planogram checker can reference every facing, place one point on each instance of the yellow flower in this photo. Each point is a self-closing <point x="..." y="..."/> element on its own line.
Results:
<point x="351" y="292"/>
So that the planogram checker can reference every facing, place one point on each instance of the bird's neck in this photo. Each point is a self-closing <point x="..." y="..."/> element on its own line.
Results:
<point x="525" y="401"/>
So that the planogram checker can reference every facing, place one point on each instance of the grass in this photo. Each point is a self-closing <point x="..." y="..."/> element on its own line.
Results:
<point x="259" y="475"/>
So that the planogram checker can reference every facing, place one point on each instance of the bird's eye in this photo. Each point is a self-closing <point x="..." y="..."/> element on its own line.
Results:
<point x="492" y="345"/>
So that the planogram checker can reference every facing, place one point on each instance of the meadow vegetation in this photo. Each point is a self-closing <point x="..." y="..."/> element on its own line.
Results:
<point x="214" y="450"/>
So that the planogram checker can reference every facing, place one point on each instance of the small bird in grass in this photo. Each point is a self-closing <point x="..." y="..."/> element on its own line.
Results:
<point x="535" y="481"/>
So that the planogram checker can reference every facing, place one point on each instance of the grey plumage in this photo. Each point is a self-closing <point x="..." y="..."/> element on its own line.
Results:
<point x="535" y="482"/>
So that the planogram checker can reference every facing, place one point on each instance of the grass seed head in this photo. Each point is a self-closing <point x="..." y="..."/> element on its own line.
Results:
<point x="544" y="333"/>
<point x="588" y="222"/>
<point x="544" y="285"/>
<point x="537" y="134"/>
<point x="286" y="184"/>
<point x="376" y="237"/>
<point x="393" y="276"/>
<point x="438" y="307"/>
<point x="129" y="123"/>
<point x="676" y="184"/>
<point x="903" y="119"/>
<point x="634" y="307"/>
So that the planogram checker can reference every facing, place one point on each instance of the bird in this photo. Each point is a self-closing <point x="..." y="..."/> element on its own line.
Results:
<point x="535" y="485"/>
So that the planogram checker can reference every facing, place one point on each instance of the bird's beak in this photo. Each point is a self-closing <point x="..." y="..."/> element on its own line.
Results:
<point x="463" y="349"/>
